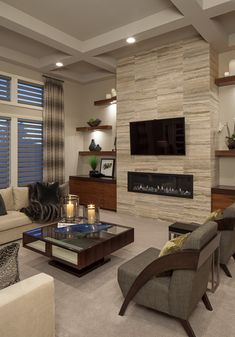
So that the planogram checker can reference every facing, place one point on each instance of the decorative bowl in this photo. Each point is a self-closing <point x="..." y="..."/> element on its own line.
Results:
<point x="94" y="122"/>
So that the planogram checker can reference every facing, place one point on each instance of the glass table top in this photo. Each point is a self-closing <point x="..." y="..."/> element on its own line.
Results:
<point x="77" y="237"/>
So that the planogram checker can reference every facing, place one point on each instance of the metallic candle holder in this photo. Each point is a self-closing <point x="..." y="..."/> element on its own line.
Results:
<point x="70" y="208"/>
<point x="92" y="213"/>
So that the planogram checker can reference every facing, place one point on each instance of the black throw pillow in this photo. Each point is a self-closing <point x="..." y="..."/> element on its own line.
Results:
<point x="48" y="193"/>
<point x="2" y="206"/>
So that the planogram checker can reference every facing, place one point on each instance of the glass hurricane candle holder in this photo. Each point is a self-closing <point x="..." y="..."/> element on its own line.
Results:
<point x="91" y="213"/>
<point x="70" y="208"/>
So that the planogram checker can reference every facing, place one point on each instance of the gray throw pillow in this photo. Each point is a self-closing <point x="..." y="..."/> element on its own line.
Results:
<point x="2" y="206"/>
<point x="9" y="270"/>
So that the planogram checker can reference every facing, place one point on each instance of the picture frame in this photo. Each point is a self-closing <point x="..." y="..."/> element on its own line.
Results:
<point x="107" y="167"/>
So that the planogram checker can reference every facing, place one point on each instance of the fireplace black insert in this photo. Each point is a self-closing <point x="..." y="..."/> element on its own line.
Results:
<point x="174" y="185"/>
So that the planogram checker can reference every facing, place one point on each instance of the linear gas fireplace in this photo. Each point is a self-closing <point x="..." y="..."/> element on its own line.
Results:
<point x="172" y="185"/>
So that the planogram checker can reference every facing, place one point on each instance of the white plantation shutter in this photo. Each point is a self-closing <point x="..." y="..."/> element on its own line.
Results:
<point x="4" y="152"/>
<point x="5" y="88"/>
<point x="29" y="93"/>
<point x="30" y="152"/>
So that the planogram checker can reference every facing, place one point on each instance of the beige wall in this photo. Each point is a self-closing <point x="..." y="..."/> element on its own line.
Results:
<point x="226" y="114"/>
<point x="170" y="81"/>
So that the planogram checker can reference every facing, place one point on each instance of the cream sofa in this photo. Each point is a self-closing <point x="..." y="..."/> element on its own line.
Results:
<point x="14" y="223"/>
<point x="27" y="308"/>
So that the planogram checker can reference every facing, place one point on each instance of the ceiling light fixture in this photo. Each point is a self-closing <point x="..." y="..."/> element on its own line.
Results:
<point x="59" y="64"/>
<point x="131" y="40"/>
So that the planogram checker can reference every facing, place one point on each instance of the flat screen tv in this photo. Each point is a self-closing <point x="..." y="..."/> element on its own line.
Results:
<point x="158" y="137"/>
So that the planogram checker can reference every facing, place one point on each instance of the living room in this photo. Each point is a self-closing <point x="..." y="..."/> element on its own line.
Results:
<point x="177" y="72"/>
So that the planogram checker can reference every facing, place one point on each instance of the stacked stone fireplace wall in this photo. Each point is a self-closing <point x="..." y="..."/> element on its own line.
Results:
<point x="170" y="81"/>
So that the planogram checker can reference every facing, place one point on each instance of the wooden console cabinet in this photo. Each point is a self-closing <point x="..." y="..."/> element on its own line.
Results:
<point x="222" y="197"/>
<point x="100" y="191"/>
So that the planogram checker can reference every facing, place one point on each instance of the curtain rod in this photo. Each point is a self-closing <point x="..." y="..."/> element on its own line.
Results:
<point x="53" y="78"/>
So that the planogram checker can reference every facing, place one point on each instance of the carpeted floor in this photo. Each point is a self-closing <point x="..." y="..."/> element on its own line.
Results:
<point x="88" y="306"/>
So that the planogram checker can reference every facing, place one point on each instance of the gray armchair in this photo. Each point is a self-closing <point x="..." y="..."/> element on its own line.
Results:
<point x="172" y="284"/>
<point x="226" y="226"/>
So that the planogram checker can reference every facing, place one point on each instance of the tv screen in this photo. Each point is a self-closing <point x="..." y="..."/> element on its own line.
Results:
<point x="158" y="137"/>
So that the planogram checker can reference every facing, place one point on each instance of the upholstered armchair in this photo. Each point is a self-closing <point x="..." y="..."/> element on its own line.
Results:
<point x="172" y="284"/>
<point x="226" y="226"/>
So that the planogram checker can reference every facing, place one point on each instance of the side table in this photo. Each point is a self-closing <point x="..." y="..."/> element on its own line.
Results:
<point x="179" y="228"/>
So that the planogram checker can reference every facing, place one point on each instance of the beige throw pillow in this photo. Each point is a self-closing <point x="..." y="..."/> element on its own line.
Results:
<point x="7" y="196"/>
<point x="173" y="245"/>
<point x="214" y="216"/>
<point x="21" y="197"/>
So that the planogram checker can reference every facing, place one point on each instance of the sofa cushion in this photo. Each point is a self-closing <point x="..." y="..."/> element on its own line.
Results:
<point x="21" y="197"/>
<point x="12" y="220"/>
<point x="7" y="195"/>
<point x="9" y="271"/>
<point x="2" y="206"/>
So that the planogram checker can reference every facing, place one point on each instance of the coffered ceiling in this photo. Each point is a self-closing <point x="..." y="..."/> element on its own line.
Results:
<point x="89" y="35"/>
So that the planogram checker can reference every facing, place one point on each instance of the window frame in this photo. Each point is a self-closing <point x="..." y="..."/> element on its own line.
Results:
<point x="13" y="91"/>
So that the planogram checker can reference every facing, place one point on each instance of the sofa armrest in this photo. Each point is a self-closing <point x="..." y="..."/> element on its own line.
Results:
<point x="27" y="308"/>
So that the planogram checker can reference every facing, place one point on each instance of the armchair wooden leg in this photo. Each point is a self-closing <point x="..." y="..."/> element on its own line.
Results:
<point x="225" y="269"/>
<point x="234" y="256"/>
<point x="187" y="327"/>
<point x="207" y="303"/>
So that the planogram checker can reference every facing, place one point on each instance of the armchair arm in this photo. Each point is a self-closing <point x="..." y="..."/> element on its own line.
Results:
<point x="27" y="308"/>
<point x="179" y="260"/>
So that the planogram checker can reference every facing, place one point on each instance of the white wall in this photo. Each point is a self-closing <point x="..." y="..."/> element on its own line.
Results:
<point x="93" y="92"/>
<point x="226" y="114"/>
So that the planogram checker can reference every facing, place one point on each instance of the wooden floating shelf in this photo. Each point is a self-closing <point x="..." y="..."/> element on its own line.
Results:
<point x="224" y="81"/>
<point x="93" y="128"/>
<point x="97" y="153"/>
<point x="106" y="101"/>
<point x="225" y="153"/>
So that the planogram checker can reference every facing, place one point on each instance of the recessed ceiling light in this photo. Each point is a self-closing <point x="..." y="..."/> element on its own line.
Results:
<point x="59" y="64"/>
<point x="130" y="39"/>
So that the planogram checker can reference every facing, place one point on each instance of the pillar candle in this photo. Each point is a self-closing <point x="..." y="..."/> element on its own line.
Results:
<point x="70" y="210"/>
<point x="91" y="213"/>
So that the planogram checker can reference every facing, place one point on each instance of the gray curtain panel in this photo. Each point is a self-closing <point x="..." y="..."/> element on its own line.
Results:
<point x="53" y="131"/>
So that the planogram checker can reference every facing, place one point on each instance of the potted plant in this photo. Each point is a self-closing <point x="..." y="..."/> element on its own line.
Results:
<point x="230" y="139"/>
<point x="93" y="161"/>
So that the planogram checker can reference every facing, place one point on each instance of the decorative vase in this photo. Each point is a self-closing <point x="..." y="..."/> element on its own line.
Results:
<point x="92" y="145"/>
<point x="98" y="148"/>
<point x="93" y="173"/>
<point x="230" y="144"/>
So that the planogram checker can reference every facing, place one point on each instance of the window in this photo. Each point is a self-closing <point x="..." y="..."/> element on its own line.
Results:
<point x="4" y="152"/>
<point x="29" y="93"/>
<point x="5" y="88"/>
<point x="30" y="152"/>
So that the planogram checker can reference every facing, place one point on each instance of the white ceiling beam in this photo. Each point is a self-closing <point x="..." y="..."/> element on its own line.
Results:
<point x="25" y="24"/>
<point x="18" y="57"/>
<point x="153" y="25"/>
<point x="214" y="8"/>
<point x="211" y="31"/>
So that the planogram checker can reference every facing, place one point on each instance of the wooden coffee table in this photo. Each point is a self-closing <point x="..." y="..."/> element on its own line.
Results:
<point x="79" y="248"/>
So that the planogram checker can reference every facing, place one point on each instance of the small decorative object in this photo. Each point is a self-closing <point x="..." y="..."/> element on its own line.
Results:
<point x="232" y="67"/>
<point x="230" y="139"/>
<point x="107" y="167"/>
<point x="70" y="208"/>
<point x="113" y="92"/>
<point x="226" y="74"/>
<point x="92" y="145"/>
<point x="92" y="214"/>
<point x="93" y="161"/>
<point x="108" y="96"/>
<point x="94" y="122"/>
<point x="98" y="148"/>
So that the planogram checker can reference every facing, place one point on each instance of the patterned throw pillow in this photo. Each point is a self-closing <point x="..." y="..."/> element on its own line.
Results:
<point x="2" y="206"/>
<point x="9" y="270"/>
<point x="173" y="245"/>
